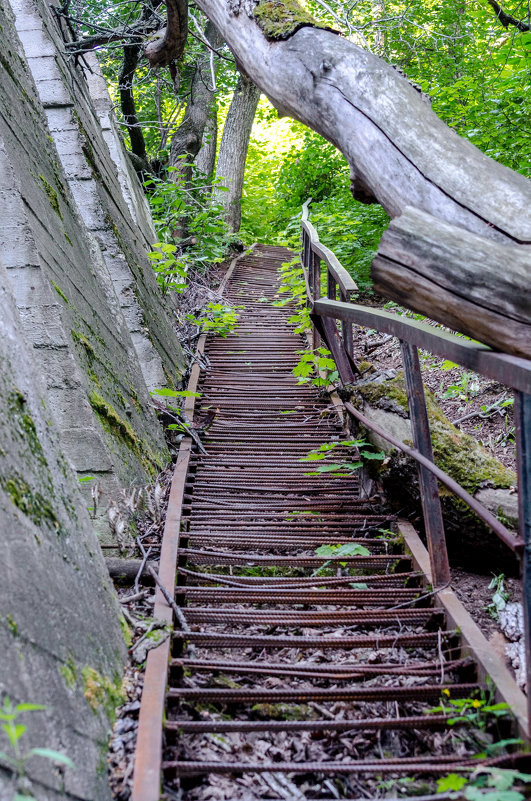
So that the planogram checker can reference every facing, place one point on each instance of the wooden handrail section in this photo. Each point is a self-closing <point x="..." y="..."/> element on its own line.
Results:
<point x="513" y="371"/>
<point x="342" y="277"/>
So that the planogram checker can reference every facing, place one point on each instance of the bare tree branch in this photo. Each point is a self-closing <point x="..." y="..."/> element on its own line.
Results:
<point x="507" y="19"/>
<point x="170" y="42"/>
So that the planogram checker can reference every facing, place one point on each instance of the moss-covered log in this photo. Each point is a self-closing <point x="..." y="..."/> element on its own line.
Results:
<point x="385" y="402"/>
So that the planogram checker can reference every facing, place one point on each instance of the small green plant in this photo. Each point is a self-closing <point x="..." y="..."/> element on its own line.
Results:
<point x="343" y="468"/>
<point x="311" y="364"/>
<point x="474" y="711"/>
<point x="174" y="393"/>
<point x="170" y="270"/>
<point x="497" y="407"/>
<point x="335" y="552"/>
<point x="463" y="389"/>
<point x="217" y="319"/>
<point x="186" y="216"/>
<point x="487" y="784"/>
<point x="15" y="760"/>
<point x="293" y="286"/>
<point x="500" y="596"/>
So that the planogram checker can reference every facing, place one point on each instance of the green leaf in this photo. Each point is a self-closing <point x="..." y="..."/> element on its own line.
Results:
<point x="14" y="732"/>
<point x="324" y="550"/>
<point x="352" y="549"/>
<point x="448" y="365"/>
<point x="359" y="585"/>
<point x="474" y="794"/>
<point x="454" y="781"/>
<point x="173" y="393"/>
<point x="53" y="756"/>
<point x="380" y="456"/>
<point x="35" y="707"/>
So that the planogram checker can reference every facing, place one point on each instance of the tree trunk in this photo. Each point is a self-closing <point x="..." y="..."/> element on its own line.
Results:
<point x="188" y="138"/>
<point x="400" y="153"/>
<point x="206" y="158"/>
<point x="233" y="149"/>
<point x="441" y="270"/>
<point x="127" y="104"/>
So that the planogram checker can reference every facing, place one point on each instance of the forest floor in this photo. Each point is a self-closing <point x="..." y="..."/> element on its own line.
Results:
<point x="476" y="405"/>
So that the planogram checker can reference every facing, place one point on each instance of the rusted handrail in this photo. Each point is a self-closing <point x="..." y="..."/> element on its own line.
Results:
<point x="516" y="544"/>
<point x="507" y="369"/>
<point x="341" y="276"/>
<point x="510" y="370"/>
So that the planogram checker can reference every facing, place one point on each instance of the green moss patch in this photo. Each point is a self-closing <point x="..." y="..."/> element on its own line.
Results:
<point x="123" y="431"/>
<point x="52" y="195"/>
<point x="12" y="625"/>
<point x="31" y="503"/>
<point x="69" y="672"/>
<point x="126" y="631"/>
<point x="280" y="19"/>
<point x="112" y="421"/>
<point x="102" y="693"/>
<point x="60" y="292"/>
<point x="82" y="340"/>
<point x="458" y="454"/>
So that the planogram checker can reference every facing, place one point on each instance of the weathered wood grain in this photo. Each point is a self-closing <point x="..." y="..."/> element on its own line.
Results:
<point x="400" y="152"/>
<point x="461" y="279"/>
<point x="454" y="258"/>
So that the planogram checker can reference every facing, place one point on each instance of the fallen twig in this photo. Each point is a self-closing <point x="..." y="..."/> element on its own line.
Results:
<point x="178" y="612"/>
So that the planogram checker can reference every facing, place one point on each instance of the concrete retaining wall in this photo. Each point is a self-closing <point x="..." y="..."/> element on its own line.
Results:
<point x="84" y="335"/>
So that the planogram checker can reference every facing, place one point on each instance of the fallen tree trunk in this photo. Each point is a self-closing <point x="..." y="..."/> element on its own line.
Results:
<point x="125" y="571"/>
<point x="475" y="286"/>
<point x="400" y="153"/>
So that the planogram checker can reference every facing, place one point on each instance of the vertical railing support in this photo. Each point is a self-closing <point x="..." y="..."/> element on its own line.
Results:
<point x="522" y="413"/>
<point x="331" y="286"/>
<point x="429" y="489"/>
<point x="316" y="284"/>
<point x="346" y="327"/>
<point x="306" y="252"/>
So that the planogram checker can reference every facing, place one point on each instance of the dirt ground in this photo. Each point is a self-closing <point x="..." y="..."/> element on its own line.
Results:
<point x="478" y="406"/>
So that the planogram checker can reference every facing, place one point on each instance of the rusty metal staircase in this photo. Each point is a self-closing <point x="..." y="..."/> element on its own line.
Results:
<point x="279" y="653"/>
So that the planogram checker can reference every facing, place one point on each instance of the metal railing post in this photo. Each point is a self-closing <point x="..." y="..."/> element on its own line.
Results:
<point x="346" y="327"/>
<point x="522" y="416"/>
<point x="429" y="489"/>
<point x="305" y="260"/>
<point x="331" y="286"/>
<point x="316" y="283"/>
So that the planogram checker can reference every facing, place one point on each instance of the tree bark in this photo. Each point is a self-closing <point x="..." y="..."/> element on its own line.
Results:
<point x="127" y="102"/>
<point x="206" y="158"/>
<point x="458" y="278"/>
<point x="400" y="152"/>
<point x="168" y="45"/>
<point x="188" y="138"/>
<point x="233" y="149"/>
<point x="508" y="19"/>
